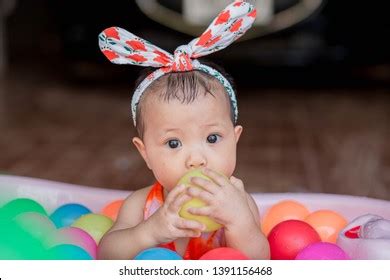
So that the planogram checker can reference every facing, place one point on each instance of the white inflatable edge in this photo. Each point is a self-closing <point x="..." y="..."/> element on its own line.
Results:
<point x="52" y="194"/>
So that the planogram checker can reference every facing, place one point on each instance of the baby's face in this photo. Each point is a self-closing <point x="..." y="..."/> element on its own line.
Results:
<point x="181" y="137"/>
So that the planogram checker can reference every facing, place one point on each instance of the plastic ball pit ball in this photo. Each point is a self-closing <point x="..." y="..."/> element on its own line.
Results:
<point x="111" y="210"/>
<point x="65" y="215"/>
<point x="327" y="223"/>
<point x="224" y="253"/>
<point x="68" y="252"/>
<point x="282" y="211"/>
<point x="18" y="244"/>
<point x="21" y="205"/>
<point x="95" y="225"/>
<point x="75" y="236"/>
<point x="158" y="254"/>
<point x="289" y="237"/>
<point x="38" y="225"/>
<point x="322" y="251"/>
<point x="196" y="203"/>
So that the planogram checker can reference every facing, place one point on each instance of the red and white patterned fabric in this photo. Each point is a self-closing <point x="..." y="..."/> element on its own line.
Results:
<point x="123" y="47"/>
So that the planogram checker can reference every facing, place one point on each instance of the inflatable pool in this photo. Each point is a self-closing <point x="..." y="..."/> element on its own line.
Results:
<point x="51" y="195"/>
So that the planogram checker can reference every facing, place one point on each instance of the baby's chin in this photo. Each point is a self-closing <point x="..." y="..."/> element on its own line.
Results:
<point x="168" y="186"/>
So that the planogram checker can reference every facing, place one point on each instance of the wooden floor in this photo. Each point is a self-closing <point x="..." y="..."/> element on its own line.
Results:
<point x="332" y="141"/>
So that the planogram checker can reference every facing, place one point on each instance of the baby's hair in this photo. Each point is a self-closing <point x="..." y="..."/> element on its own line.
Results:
<point x="182" y="86"/>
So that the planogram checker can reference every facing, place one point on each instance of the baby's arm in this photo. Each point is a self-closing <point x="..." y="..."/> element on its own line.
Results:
<point x="248" y="237"/>
<point x="131" y="234"/>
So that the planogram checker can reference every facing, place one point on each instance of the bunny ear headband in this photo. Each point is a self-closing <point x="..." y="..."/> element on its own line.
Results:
<point x="123" y="47"/>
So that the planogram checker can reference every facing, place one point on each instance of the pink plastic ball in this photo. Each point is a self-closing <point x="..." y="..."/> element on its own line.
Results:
<point x="78" y="237"/>
<point x="322" y="251"/>
<point x="224" y="253"/>
<point x="289" y="237"/>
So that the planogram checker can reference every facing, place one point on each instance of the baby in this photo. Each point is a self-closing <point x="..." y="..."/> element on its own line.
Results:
<point x="185" y="113"/>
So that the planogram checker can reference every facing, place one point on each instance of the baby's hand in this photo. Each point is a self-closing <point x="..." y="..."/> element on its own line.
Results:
<point x="168" y="225"/>
<point x="226" y="199"/>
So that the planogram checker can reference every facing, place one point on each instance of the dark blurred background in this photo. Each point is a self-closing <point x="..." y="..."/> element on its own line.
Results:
<point x="314" y="95"/>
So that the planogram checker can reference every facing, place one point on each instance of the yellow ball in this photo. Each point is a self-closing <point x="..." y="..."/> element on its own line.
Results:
<point x="210" y="224"/>
<point x="96" y="225"/>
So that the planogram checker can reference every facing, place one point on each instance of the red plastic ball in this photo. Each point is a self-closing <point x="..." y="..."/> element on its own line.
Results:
<point x="289" y="237"/>
<point x="224" y="253"/>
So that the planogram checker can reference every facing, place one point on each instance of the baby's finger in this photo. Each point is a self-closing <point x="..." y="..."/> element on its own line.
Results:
<point x="207" y="185"/>
<point x="201" y="194"/>
<point x="202" y="211"/>
<point x="190" y="224"/>
<point x="237" y="182"/>
<point x="178" y="202"/>
<point x="216" y="177"/>
<point x="189" y="233"/>
<point x="176" y="191"/>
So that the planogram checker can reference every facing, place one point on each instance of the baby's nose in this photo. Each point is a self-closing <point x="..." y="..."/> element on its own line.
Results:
<point x="197" y="165"/>
<point x="196" y="160"/>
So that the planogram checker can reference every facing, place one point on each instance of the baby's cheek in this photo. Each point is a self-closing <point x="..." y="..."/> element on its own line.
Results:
<point x="230" y="168"/>
<point x="228" y="158"/>
<point x="168" y="175"/>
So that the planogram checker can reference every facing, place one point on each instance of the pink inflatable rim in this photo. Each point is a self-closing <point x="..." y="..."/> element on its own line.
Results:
<point x="52" y="194"/>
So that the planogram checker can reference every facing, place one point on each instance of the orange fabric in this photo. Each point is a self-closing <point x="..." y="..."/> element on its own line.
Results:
<point x="196" y="246"/>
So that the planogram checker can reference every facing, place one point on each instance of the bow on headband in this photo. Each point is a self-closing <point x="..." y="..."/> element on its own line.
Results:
<point x="123" y="47"/>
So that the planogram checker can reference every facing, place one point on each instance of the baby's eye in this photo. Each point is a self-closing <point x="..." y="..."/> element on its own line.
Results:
<point x="174" y="143"/>
<point x="213" y="138"/>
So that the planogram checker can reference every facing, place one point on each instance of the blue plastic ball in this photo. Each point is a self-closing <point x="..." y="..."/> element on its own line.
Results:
<point x="68" y="252"/>
<point x="66" y="214"/>
<point x="158" y="254"/>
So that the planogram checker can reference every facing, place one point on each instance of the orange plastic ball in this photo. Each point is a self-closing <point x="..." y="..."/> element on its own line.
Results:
<point x="327" y="223"/>
<point x="111" y="210"/>
<point x="282" y="211"/>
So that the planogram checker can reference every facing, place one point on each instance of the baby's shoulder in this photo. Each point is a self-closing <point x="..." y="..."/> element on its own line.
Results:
<point x="137" y="198"/>
<point x="132" y="209"/>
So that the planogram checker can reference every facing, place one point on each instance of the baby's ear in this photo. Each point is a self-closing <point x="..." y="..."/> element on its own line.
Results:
<point x="237" y="132"/>
<point x="139" y="144"/>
